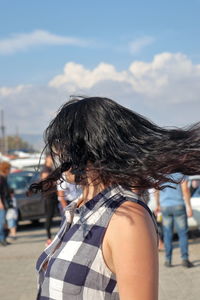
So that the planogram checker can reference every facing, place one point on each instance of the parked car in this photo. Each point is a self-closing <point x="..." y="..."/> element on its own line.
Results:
<point x="29" y="207"/>
<point x="30" y="162"/>
<point x="194" y="185"/>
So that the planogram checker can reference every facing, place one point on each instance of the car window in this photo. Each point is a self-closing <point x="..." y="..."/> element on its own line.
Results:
<point x="196" y="193"/>
<point x="35" y="178"/>
<point x="20" y="181"/>
<point x="194" y="186"/>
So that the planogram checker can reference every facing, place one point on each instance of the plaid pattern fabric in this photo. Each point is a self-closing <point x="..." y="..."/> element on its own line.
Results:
<point x="75" y="265"/>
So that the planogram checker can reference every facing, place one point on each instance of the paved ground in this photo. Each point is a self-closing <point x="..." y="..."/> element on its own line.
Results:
<point x="18" y="279"/>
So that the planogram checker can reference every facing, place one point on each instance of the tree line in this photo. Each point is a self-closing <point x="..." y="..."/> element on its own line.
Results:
<point x="14" y="142"/>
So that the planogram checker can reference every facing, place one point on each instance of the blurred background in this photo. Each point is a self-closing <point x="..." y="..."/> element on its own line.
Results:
<point x="143" y="54"/>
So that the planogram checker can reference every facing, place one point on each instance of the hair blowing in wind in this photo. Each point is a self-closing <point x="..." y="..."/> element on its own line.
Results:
<point x="121" y="146"/>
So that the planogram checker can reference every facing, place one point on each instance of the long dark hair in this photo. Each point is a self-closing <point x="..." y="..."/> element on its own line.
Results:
<point x="122" y="146"/>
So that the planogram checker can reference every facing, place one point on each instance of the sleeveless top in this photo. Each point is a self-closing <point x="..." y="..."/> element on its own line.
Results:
<point x="72" y="267"/>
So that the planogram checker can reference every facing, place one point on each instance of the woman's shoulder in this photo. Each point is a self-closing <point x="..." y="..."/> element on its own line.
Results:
<point x="130" y="249"/>
<point x="131" y="209"/>
<point x="130" y="229"/>
<point x="133" y="219"/>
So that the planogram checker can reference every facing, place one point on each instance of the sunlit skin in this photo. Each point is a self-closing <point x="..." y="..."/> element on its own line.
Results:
<point x="129" y="246"/>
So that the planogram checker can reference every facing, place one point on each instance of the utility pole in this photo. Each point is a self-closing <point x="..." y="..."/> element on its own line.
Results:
<point x="3" y="136"/>
<point x="17" y="138"/>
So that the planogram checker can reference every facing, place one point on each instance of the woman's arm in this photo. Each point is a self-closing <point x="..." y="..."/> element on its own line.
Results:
<point x="132" y="240"/>
<point x="61" y="198"/>
<point x="186" y="197"/>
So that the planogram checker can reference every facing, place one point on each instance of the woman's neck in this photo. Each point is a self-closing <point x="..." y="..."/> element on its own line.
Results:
<point x="90" y="191"/>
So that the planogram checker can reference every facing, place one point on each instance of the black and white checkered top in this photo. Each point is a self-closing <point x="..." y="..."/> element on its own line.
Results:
<point x="72" y="266"/>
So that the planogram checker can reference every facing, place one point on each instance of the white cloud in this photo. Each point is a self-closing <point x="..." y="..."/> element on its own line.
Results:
<point x="168" y="77"/>
<point x="8" y="91"/>
<point x="167" y="90"/>
<point x="21" y="42"/>
<point x="77" y="76"/>
<point x="30" y="109"/>
<point x="140" y="43"/>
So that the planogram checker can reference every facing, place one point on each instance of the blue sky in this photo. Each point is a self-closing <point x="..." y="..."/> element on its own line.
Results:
<point x="106" y="47"/>
<point x="110" y="26"/>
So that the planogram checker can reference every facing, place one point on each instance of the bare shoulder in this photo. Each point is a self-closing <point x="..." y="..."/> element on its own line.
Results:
<point x="132" y="226"/>
<point x="131" y="209"/>
<point x="132" y="216"/>
<point x="130" y="250"/>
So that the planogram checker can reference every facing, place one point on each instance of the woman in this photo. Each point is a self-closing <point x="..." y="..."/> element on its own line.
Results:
<point x="50" y="198"/>
<point x="5" y="199"/>
<point x="107" y="244"/>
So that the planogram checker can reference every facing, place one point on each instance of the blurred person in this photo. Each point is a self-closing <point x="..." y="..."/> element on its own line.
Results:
<point x="3" y="241"/>
<point x="107" y="244"/>
<point x="194" y="187"/>
<point x="50" y="198"/>
<point x="174" y="203"/>
<point x="161" y="246"/>
<point x="158" y="218"/>
<point x="66" y="192"/>
<point x="11" y="217"/>
<point x="5" y="199"/>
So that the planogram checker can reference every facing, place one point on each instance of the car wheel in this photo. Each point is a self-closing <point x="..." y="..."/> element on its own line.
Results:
<point x="35" y="222"/>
